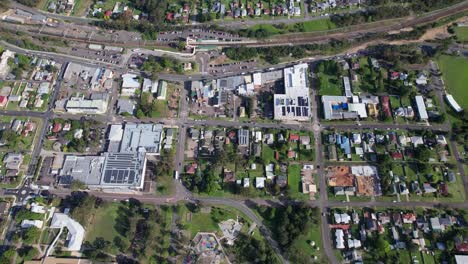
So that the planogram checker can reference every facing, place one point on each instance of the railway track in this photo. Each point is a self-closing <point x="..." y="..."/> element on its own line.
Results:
<point x="280" y="40"/>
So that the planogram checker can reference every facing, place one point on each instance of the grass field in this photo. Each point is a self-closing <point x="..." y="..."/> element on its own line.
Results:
<point x="205" y="222"/>
<point x="318" y="25"/>
<point x="308" y="26"/>
<point x="454" y="70"/>
<point x="268" y="154"/>
<point x="462" y="33"/>
<point x="302" y="243"/>
<point x="294" y="181"/>
<point x="80" y="7"/>
<point x="330" y="85"/>
<point x="103" y="223"/>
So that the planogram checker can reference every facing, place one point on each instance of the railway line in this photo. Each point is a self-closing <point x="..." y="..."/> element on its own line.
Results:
<point x="279" y="40"/>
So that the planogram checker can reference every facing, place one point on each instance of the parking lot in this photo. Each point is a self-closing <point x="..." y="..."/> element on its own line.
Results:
<point x="174" y="36"/>
<point x="235" y="67"/>
<point x="100" y="55"/>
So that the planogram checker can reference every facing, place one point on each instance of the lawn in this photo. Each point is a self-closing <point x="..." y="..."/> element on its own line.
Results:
<point x="330" y="85"/>
<point x="454" y="71"/>
<point x="80" y="7"/>
<point x="164" y="185"/>
<point x="395" y="102"/>
<point x="205" y="222"/>
<point x="294" y="181"/>
<point x="302" y="243"/>
<point x="461" y="33"/>
<point x="318" y="25"/>
<point x="105" y="220"/>
<point x="268" y="154"/>
<point x="103" y="223"/>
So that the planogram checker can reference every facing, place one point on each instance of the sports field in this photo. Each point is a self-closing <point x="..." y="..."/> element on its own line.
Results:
<point x="454" y="70"/>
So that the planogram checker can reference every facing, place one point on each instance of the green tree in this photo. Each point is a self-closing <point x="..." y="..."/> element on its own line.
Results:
<point x="28" y="253"/>
<point x="31" y="235"/>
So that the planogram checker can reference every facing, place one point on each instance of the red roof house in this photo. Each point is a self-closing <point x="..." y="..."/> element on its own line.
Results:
<point x="397" y="155"/>
<point x="463" y="247"/>
<point x="409" y="218"/>
<point x="3" y="101"/>
<point x="57" y="128"/>
<point x="386" y="106"/>
<point x="293" y="137"/>
<point x="192" y="168"/>
<point x="170" y="17"/>
<point x="443" y="189"/>
<point x="291" y="154"/>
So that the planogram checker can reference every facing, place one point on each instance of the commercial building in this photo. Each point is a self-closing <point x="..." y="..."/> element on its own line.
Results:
<point x="421" y="107"/>
<point x="243" y="137"/>
<point x="6" y="55"/>
<point x="123" y="166"/>
<point x="338" y="107"/>
<point x="80" y="105"/>
<point x="130" y="84"/>
<point x="347" y="86"/>
<point x="86" y="169"/>
<point x="162" y="90"/>
<point x="75" y="234"/>
<point x="294" y="104"/>
<point x="141" y="138"/>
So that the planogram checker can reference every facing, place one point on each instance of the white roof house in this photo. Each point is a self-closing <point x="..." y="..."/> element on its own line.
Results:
<point x="421" y="80"/>
<point x="257" y="79"/>
<point x="43" y="88"/>
<point x="269" y="171"/>
<point x="260" y="182"/>
<point x="130" y="81"/>
<point x="339" y="239"/>
<point x="342" y="218"/>
<point x="417" y="140"/>
<point x="421" y="107"/>
<point x="75" y="230"/>
<point x="357" y="138"/>
<point x="147" y="85"/>
<point x="354" y="243"/>
<point x="38" y="209"/>
<point x="30" y="223"/>
<point x="246" y="182"/>
<point x="461" y="259"/>
<point x="453" y="103"/>
<point x="435" y="224"/>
